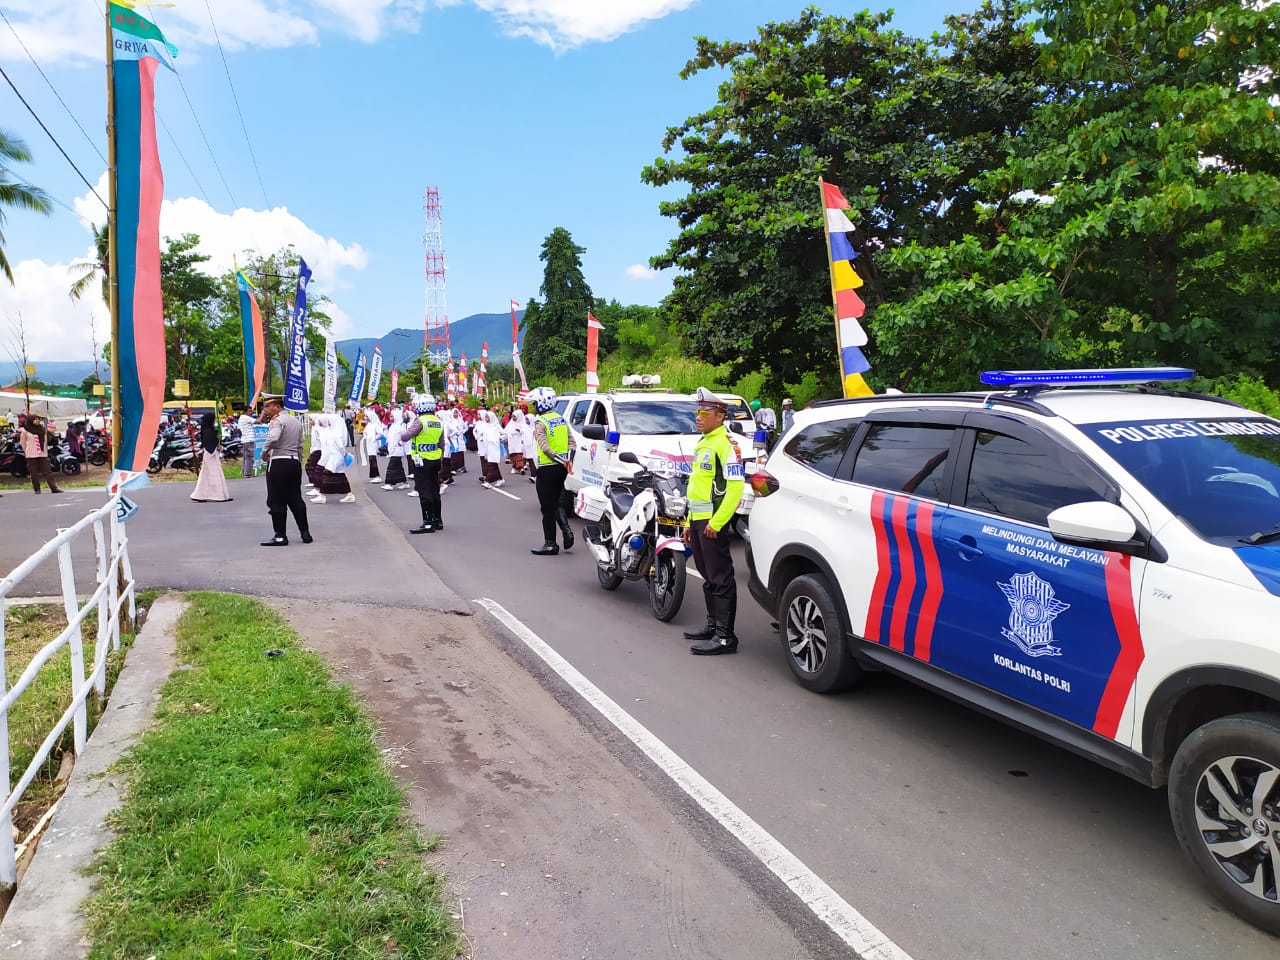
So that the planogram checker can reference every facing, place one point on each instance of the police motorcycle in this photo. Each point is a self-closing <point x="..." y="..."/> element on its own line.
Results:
<point x="635" y="525"/>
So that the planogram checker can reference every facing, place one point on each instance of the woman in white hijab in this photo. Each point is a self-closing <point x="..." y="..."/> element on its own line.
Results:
<point x="396" y="478"/>
<point x="515" y="440"/>
<point x="329" y="434"/>
<point x="456" y="428"/>
<point x="489" y="443"/>
<point x="371" y="440"/>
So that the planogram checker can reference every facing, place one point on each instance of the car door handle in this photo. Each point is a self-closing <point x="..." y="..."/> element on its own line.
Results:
<point x="969" y="551"/>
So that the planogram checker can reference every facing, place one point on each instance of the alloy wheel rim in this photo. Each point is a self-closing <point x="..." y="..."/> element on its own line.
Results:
<point x="1237" y="808"/>
<point x="806" y="634"/>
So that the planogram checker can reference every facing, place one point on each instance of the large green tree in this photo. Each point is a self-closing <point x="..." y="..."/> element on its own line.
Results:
<point x="555" y="328"/>
<point x="16" y="192"/>
<point x="1136" y="222"/>
<point x="903" y="125"/>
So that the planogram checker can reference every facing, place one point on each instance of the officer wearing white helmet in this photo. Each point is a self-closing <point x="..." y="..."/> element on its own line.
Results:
<point x="426" y="448"/>
<point x="555" y="462"/>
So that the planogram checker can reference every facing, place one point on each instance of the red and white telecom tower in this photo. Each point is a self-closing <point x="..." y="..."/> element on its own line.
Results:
<point x="436" y="337"/>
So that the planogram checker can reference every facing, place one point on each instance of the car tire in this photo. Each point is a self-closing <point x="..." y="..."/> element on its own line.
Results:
<point x="1226" y="775"/>
<point x="813" y="637"/>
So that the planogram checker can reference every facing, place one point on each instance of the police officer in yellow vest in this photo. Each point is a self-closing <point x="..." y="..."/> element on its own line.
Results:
<point x="555" y="462"/>
<point x="715" y="489"/>
<point x="426" y="447"/>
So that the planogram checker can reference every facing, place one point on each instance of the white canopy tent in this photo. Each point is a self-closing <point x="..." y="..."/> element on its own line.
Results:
<point x="58" y="408"/>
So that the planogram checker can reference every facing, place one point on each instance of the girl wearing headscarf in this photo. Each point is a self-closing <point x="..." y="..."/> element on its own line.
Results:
<point x="397" y="449"/>
<point x="515" y="440"/>
<point x="456" y="429"/>
<point x="371" y="440"/>
<point x="489" y="443"/>
<point x="330" y="436"/>
<point x="211" y="485"/>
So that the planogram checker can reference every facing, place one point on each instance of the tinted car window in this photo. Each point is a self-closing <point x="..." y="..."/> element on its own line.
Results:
<point x="656" y="416"/>
<point x="1026" y="481"/>
<point x="820" y="446"/>
<point x="905" y="457"/>
<point x="1222" y="477"/>
<point x="578" y="415"/>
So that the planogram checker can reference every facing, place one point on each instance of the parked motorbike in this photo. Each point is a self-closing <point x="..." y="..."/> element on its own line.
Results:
<point x="174" y="448"/>
<point x="97" y="449"/>
<point x="62" y="460"/>
<point x="634" y="531"/>
<point x="231" y="444"/>
<point x="12" y="459"/>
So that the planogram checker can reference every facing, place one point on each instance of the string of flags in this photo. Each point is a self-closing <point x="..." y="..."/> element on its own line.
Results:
<point x="849" y="307"/>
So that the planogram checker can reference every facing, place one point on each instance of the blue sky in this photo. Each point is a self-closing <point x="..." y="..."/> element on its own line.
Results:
<point x="526" y="114"/>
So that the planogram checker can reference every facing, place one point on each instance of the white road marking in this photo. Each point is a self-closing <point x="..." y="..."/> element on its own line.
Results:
<point x="689" y="571"/>
<point x="503" y="492"/>
<point x="867" y="942"/>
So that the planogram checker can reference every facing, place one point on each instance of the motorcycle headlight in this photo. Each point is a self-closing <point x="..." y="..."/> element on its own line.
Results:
<point x="677" y="506"/>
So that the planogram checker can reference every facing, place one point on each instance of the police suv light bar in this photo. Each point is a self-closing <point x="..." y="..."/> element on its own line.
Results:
<point x="1102" y="376"/>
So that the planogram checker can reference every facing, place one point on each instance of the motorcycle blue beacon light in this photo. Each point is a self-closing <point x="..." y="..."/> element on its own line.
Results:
<point x="1116" y="376"/>
<point x="613" y="437"/>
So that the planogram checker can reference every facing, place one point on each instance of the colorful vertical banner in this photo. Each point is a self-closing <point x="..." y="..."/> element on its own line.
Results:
<point x="594" y="327"/>
<point x="297" y="389"/>
<point x="357" y="378"/>
<point x="255" y="349"/>
<point x="137" y="48"/>
<point x="844" y="284"/>
<point x="515" y="346"/>
<point x="450" y="381"/>
<point x="375" y="372"/>
<point x="426" y="380"/>
<point x="463" y="382"/>
<point x="330" y="376"/>
<point x="395" y="383"/>
<point x="482" y="377"/>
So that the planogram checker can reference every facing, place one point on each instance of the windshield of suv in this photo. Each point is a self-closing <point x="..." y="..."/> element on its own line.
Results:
<point x="655" y="416"/>
<point x="1222" y="477"/>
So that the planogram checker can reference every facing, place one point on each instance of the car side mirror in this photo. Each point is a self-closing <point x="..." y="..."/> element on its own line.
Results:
<point x="1092" y="522"/>
<point x="594" y="431"/>
<point x="628" y="457"/>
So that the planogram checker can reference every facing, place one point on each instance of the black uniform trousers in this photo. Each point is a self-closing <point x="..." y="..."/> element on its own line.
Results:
<point x="426" y="480"/>
<point x="713" y="560"/>
<point x="549" y="482"/>
<point x="284" y="495"/>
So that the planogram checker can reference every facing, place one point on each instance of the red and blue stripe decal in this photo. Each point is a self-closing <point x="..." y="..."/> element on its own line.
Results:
<point x="1124" y="671"/>
<point x="908" y="586"/>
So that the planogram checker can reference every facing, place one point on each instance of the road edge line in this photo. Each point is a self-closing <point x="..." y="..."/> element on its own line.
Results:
<point x="855" y="930"/>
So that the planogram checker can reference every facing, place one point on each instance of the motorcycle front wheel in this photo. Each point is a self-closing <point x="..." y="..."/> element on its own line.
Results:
<point x="608" y="579"/>
<point x="71" y="467"/>
<point x="666" y="586"/>
<point x="153" y="466"/>
<point x="98" y="458"/>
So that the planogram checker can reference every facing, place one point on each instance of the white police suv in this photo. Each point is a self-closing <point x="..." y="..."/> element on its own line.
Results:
<point x="1083" y="554"/>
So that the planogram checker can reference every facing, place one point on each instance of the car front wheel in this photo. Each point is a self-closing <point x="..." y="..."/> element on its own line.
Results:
<point x="813" y="638"/>
<point x="1224" y="797"/>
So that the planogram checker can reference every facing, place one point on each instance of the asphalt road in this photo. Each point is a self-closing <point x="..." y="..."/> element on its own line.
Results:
<point x="957" y="836"/>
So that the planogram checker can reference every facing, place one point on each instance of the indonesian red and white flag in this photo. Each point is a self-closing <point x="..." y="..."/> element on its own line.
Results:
<point x="594" y="327"/>
<point x="515" y="346"/>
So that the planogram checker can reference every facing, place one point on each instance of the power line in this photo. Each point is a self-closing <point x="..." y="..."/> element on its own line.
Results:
<point x="14" y="31"/>
<point x="27" y="183"/>
<point x="244" y="129"/>
<point x="203" y="135"/>
<point x="174" y="141"/>
<point x="52" y="137"/>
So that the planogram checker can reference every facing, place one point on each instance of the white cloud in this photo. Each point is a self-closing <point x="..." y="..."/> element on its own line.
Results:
<point x="563" y="24"/>
<point x="641" y="271"/>
<point x="58" y="328"/>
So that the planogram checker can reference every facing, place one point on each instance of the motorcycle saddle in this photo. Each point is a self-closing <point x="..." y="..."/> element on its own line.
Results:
<point x="621" y="501"/>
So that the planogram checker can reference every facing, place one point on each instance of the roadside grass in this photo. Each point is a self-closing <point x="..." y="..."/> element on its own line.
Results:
<point x="28" y="627"/>
<point x="259" y="819"/>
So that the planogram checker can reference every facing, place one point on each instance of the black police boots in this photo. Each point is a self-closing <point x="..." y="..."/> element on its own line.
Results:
<point x="709" y="628"/>
<point x="546" y="550"/>
<point x="427" y="526"/>
<point x="566" y="531"/>
<point x="724" y="641"/>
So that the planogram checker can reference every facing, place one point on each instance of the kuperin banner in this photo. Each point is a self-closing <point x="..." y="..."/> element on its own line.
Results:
<point x="330" y="376"/>
<point x="357" y="378"/>
<point x="296" y="388"/>
<point x="375" y="372"/>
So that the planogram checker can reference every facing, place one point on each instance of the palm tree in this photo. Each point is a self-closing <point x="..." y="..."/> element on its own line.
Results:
<point x="15" y="192"/>
<point x="98" y="266"/>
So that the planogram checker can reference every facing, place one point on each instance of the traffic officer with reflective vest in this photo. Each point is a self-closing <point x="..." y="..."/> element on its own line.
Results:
<point x="715" y="490"/>
<point x="555" y="462"/>
<point x="426" y="448"/>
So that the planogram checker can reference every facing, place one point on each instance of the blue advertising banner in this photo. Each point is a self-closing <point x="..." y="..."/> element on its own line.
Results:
<point x="357" y="378"/>
<point x="330" y="376"/>
<point x="375" y="373"/>
<point x="296" y="388"/>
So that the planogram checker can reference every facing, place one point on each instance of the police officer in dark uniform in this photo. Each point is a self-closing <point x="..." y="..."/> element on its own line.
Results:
<point x="283" y="454"/>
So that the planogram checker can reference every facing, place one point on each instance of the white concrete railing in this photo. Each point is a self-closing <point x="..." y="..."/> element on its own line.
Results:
<point x="112" y="566"/>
